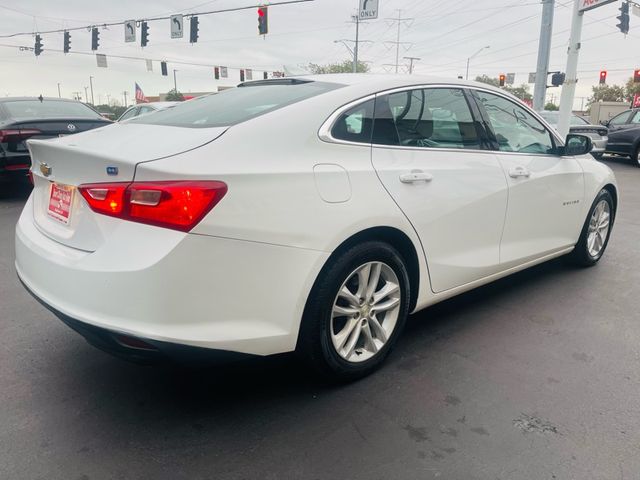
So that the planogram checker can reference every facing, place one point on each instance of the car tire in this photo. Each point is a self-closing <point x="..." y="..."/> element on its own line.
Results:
<point x="346" y="335"/>
<point x="596" y="231"/>
<point x="635" y="156"/>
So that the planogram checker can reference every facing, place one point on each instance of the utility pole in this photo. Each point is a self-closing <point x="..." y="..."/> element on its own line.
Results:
<point x="125" y="98"/>
<point x="569" y="87"/>
<point x="85" y="93"/>
<point x="175" y="83"/>
<point x="411" y="60"/>
<point x="91" y="84"/>
<point x="544" y="52"/>
<point x="108" y="99"/>
<point x="397" y="43"/>
<point x="59" y="94"/>
<point x="355" y="50"/>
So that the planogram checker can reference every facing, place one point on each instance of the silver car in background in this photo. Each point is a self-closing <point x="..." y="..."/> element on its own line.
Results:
<point x="145" y="108"/>
<point x="599" y="134"/>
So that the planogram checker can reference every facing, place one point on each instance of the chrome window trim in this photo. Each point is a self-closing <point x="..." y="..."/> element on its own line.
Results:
<point x="324" y="133"/>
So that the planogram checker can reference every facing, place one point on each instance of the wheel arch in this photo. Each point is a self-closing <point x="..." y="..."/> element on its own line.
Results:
<point x="394" y="237"/>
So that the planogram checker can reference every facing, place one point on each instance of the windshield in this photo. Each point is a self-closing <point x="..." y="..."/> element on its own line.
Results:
<point x="552" y="118"/>
<point x="48" y="109"/>
<point x="237" y="105"/>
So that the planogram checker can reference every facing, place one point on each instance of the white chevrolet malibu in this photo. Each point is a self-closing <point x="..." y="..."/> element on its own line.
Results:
<point x="308" y="214"/>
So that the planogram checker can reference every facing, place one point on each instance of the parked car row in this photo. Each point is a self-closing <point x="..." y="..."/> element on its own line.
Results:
<point x="624" y="135"/>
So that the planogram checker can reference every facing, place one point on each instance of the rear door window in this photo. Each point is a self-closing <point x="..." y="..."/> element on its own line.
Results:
<point x="620" y="119"/>
<point x="355" y="125"/>
<point x="425" y="118"/>
<point x="237" y="105"/>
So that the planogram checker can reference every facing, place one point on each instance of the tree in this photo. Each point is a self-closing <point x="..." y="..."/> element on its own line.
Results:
<point x="174" y="96"/>
<point x="607" y="93"/>
<point x="488" y="80"/>
<point x="522" y="92"/>
<point x="343" y="67"/>
<point x="631" y="89"/>
<point x="551" y="106"/>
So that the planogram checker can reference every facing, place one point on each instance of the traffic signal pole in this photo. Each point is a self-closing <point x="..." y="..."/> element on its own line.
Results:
<point x="569" y="87"/>
<point x="355" y="50"/>
<point x="544" y="52"/>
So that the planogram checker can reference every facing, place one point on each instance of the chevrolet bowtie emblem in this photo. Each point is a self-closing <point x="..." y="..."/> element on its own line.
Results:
<point x="45" y="169"/>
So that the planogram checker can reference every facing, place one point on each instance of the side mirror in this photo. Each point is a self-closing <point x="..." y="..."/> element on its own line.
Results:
<point x="577" y="145"/>
<point x="604" y="123"/>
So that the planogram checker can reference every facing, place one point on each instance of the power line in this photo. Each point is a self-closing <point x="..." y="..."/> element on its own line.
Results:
<point x="397" y="43"/>
<point x="153" y="19"/>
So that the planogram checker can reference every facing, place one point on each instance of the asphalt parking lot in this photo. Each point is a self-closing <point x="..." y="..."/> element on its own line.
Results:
<point x="534" y="377"/>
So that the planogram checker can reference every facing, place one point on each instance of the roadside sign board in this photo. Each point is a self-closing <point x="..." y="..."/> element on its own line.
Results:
<point x="511" y="78"/>
<point x="591" y="4"/>
<point x="532" y="77"/>
<point x="176" y="26"/>
<point x="130" y="31"/>
<point x="368" y="9"/>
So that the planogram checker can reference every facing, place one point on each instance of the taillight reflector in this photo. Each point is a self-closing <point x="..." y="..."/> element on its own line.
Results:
<point x="179" y="205"/>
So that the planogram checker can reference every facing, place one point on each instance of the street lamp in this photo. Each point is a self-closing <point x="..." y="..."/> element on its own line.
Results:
<point x="472" y="57"/>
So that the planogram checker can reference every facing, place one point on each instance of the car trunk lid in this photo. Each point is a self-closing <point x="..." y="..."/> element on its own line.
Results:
<point x="108" y="154"/>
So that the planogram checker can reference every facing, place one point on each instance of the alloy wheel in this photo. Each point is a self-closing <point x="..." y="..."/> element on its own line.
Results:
<point x="365" y="312"/>
<point x="599" y="225"/>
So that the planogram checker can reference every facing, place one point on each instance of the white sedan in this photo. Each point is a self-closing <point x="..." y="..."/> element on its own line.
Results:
<point x="309" y="214"/>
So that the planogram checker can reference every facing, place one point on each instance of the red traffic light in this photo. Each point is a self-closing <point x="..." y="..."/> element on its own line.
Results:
<point x="603" y="77"/>
<point x="260" y="12"/>
<point x="503" y="79"/>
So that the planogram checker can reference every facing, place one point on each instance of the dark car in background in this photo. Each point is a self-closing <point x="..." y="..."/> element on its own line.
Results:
<point x="22" y="118"/>
<point x="597" y="133"/>
<point x="624" y="135"/>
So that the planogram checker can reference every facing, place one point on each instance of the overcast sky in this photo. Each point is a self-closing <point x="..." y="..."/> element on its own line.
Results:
<point x="442" y="33"/>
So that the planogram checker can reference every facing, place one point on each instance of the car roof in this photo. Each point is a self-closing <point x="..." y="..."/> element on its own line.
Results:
<point x="375" y="81"/>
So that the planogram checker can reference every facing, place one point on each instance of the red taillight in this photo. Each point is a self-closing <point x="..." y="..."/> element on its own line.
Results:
<point x="17" y="135"/>
<point x="179" y="205"/>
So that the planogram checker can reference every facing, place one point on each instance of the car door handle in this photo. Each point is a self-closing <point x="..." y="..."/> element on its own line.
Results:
<point x="415" y="176"/>
<point x="519" y="171"/>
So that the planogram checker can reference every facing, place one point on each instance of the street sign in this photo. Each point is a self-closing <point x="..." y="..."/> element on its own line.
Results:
<point x="176" y="26"/>
<point x="511" y="78"/>
<point x="130" y="31"/>
<point x="532" y="77"/>
<point x="368" y="9"/>
<point x="591" y="4"/>
<point x="101" y="60"/>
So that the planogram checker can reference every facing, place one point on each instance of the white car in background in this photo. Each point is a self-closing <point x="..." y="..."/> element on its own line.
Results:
<point x="145" y="108"/>
<point x="310" y="214"/>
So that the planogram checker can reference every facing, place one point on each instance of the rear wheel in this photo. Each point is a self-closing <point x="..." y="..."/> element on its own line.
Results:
<point x="356" y="312"/>
<point x="595" y="232"/>
<point x="635" y="157"/>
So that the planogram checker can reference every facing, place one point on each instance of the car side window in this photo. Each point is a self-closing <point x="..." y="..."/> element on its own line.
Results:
<point x="355" y="124"/>
<point x="144" y="110"/>
<point x="426" y="118"/>
<point x="620" y="119"/>
<point x="129" y="114"/>
<point x="636" y="117"/>
<point x="514" y="128"/>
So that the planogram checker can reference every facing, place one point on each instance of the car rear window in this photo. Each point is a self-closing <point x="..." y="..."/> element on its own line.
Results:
<point x="47" y="109"/>
<point x="237" y="105"/>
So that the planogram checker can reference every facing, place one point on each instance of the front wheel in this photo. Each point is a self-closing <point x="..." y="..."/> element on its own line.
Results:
<point x="595" y="232"/>
<point x="635" y="157"/>
<point x="355" y="312"/>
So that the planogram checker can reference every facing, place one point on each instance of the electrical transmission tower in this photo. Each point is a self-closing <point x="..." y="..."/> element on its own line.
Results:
<point x="400" y="21"/>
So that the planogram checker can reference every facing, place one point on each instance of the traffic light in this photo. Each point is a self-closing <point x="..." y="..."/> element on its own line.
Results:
<point x="265" y="75"/>
<point x="503" y="79"/>
<point x="242" y="75"/>
<point x="263" y="21"/>
<point x="67" y="42"/>
<point x="557" y="79"/>
<point x="603" y="77"/>
<point x="216" y="73"/>
<point x="163" y="68"/>
<point x="37" y="48"/>
<point x="144" y="35"/>
<point x="95" y="38"/>
<point x="636" y="76"/>
<point x="193" y="34"/>
<point x="624" y="18"/>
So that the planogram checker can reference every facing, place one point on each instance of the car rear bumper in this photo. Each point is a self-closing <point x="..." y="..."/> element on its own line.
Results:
<point x="165" y="286"/>
<point x="599" y="144"/>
